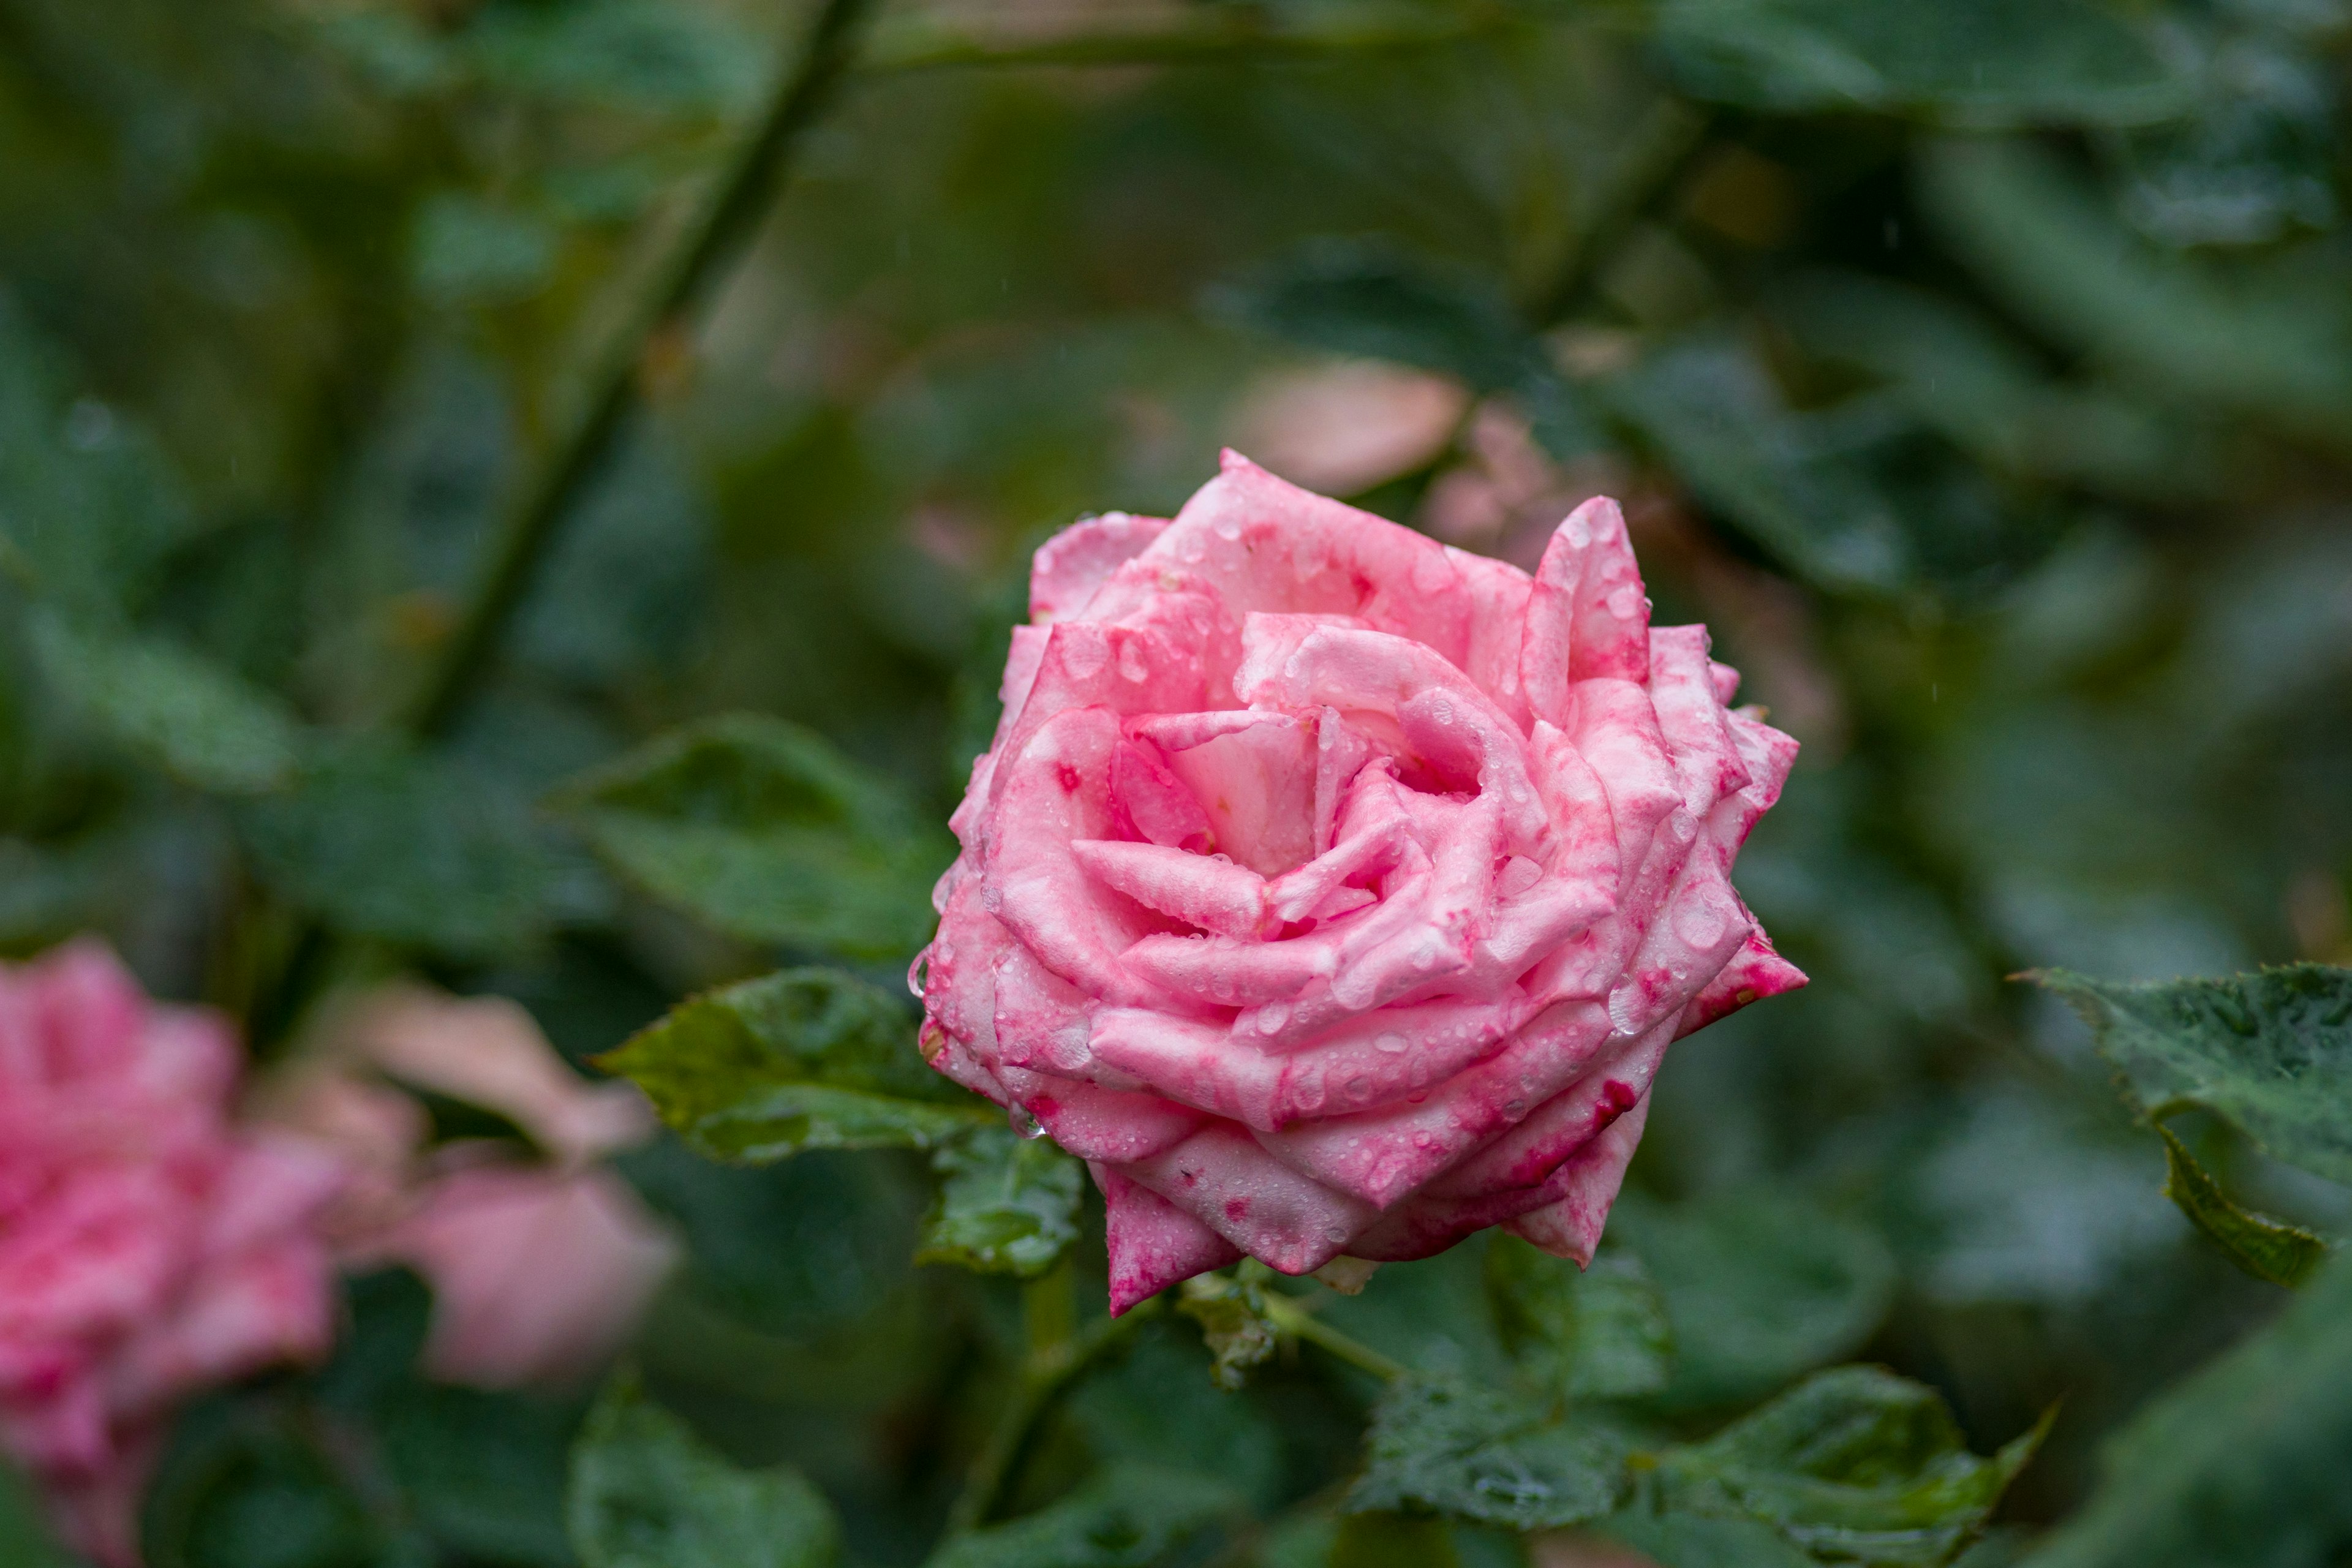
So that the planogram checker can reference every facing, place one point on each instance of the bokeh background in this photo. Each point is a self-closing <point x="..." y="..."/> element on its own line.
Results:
<point x="1980" y="373"/>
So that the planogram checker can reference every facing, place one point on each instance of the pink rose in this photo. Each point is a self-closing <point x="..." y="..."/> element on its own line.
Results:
<point x="148" y="1247"/>
<point x="1333" y="891"/>
<point x="540" y="1268"/>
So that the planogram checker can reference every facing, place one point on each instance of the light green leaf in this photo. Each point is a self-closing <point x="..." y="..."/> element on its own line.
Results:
<point x="1372" y="301"/>
<point x="1006" y="1205"/>
<point x="2242" y="1463"/>
<point x="410" y="848"/>
<point x="1758" y="1287"/>
<point x="648" y="1493"/>
<point x="637" y="54"/>
<point x="1972" y="62"/>
<point x="1598" y="1332"/>
<point x="2271" y="1052"/>
<point x="466" y="251"/>
<point x="1129" y="1516"/>
<point x="1852" y="1465"/>
<point x="1231" y="1310"/>
<point x="1479" y="1455"/>
<point x="200" y="722"/>
<point x="2265" y="1247"/>
<point x="1702" y="1540"/>
<point x="762" y="830"/>
<point x="1716" y="418"/>
<point x="2043" y="240"/>
<point x="804" y="1058"/>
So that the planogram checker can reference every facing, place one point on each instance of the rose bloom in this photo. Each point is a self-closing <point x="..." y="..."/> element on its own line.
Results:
<point x="149" y="1247"/>
<point x="541" y="1268"/>
<point x="1335" y="892"/>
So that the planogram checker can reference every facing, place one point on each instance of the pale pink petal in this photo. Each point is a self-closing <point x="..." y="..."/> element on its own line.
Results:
<point x="1070" y="566"/>
<point x="1153" y="1244"/>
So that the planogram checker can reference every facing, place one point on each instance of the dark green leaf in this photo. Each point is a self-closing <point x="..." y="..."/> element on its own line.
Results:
<point x="2077" y="273"/>
<point x="410" y="848"/>
<point x="1488" y="1457"/>
<point x="648" y="1493"/>
<point x="1129" y="1516"/>
<point x="1758" y="1287"/>
<point x="1007" y="1204"/>
<point x="629" y="53"/>
<point x="764" y="831"/>
<point x="1231" y="1310"/>
<point x="2243" y="1463"/>
<point x="1715" y="416"/>
<point x="1372" y="300"/>
<point x="1852" y="1465"/>
<point x="2265" y="1247"/>
<point x="197" y="720"/>
<point x="1598" y="1332"/>
<point x="482" y="1473"/>
<point x="1702" y="1541"/>
<point x="1974" y="62"/>
<point x="805" y="1058"/>
<point x="1391" y="1540"/>
<point x="25" y="1541"/>
<point x="2272" y="1052"/>
<point x="2252" y="162"/>
<point x="250" y="1484"/>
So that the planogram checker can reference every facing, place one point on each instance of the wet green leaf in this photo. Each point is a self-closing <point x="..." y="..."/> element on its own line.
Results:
<point x="762" y="830"/>
<point x="1598" y="1332"/>
<point x="1758" y="1287"/>
<point x="2242" y="1463"/>
<point x="2265" y="1247"/>
<point x="1375" y="301"/>
<point x="804" y="1058"/>
<point x="1716" y="418"/>
<point x="2271" y="1052"/>
<point x="1972" y="62"/>
<point x="1489" y="1457"/>
<point x="1129" y="1516"/>
<point x="1007" y="1204"/>
<point x="197" y="720"/>
<point x="1852" y="1465"/>
<point x="408" y="847"/>
<point x="648" y="1493"/>
<point x="1231" y="1310"/>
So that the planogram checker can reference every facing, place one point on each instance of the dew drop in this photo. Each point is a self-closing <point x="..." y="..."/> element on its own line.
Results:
<point x="1131" y="667"/>
<point x="1228" y="530"/>
<point x="1024" y="1125"/>
<point x="1335" y="1233"/>
<point x="918" y="974"/>
<point x="1390" y="1043"/>
<point x="1358" y="1086"/>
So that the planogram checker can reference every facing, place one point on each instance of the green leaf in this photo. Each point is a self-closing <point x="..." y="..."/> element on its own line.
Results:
<point x="1128" y="1516"/>
<point x="1716" y="418"/>
<point x="1852" y="1465"/>
<point x="408" y="847"/>
<point x="2041" y="240"/>
<point x="1702" y="1540"/>
<point x="88" y="508"/>
<point x="1600" y="1332"/>
<point x="803" y="1058"/>
<point x="2242" y="1463"/>
<point x="1972" y="62"/>
<point x="249" y="1483"/>
<point x="466" y="251"/>
<point x="25" y="1541"/>
<point x="762" y="830"/>
<point x="197" y="720"/>
<point x="2252" y="162"/>
<point x="637" y="54"/>
<point x="1353" y="298"/>
<point x="648" y="1493"/>
<point x="1391" y="1540"/>
<point x="2270" y="1052"/>
<point x="1479" y="1455"/>
<point x="1007" y="1204"/>
<point x="2265" y="1247"/>
<point x="1231" y="1310"/>
<point x="1758" y="1287"/>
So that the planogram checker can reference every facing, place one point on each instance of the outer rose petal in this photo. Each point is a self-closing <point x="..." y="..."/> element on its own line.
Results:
<point x="1332" y="892"/>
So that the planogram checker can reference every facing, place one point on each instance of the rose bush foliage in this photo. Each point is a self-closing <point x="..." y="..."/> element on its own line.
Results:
<point x="149" y="1246"/>
<point x="1334" y="891"/>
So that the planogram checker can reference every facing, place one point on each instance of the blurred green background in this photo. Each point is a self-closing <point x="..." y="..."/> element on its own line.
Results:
<point x="1980" y="373"/>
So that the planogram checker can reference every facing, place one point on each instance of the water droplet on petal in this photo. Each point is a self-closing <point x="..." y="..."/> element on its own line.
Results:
<point x="1024" y="1125"/>
<point x="919" y="973"/>
<point x="1391" y="1043"/>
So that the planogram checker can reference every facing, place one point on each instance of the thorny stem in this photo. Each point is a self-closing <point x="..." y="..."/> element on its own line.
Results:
<point x="684" y="281"/>
<point x="1201" y="36"/>
<point x="1058" y="1353"/>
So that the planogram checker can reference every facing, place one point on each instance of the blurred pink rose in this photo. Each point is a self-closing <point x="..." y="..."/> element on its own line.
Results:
<point x="1332" y="892"/>
<point x="1346" y="427"/>
<point x="540" y="1268"/>
<point x="148" y="1247"/>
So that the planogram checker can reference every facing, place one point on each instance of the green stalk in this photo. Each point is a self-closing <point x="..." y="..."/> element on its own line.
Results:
<point x="680" y="285"/>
